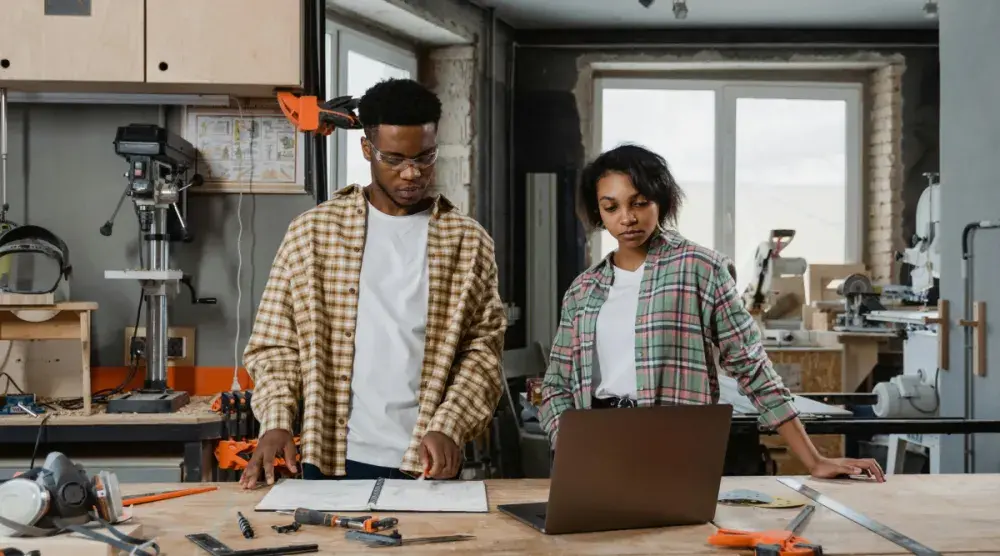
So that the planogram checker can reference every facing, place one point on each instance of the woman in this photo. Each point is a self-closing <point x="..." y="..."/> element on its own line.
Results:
<point x="615" y="316"/>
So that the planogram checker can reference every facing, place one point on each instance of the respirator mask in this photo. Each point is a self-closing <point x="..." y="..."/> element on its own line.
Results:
<point x="59" y="497"/>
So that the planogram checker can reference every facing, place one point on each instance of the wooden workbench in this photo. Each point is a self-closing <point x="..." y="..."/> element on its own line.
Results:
<point x="954" y="514"/>
<point x="193" y="431"/>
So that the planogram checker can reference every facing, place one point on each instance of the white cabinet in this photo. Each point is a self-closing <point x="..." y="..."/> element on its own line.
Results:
<point x="224" y="42"/>
<point x="101" y="43"/>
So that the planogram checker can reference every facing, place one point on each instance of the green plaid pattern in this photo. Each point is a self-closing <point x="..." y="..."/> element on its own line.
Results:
<point x="688" y="303"/>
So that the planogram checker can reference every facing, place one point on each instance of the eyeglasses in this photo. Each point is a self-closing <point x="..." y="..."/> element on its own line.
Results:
<point x="398" y="163"/>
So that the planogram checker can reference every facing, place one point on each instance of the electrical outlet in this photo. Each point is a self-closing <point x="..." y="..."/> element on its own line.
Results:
<point x="180" y="346"/>
<point x="175" y="348"/>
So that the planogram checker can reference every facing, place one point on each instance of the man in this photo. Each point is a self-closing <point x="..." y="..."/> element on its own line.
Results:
<point x="381" y="316"/>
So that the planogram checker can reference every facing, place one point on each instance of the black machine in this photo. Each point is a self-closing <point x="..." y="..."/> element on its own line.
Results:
<point x="158" y="163"/>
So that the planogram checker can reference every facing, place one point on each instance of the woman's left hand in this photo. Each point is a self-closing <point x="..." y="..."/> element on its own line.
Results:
<point x="830" y="468"/>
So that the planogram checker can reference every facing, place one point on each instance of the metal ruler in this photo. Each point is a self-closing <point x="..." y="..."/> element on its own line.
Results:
<point x="214" y="546"/>
<point x="861" y="519"/>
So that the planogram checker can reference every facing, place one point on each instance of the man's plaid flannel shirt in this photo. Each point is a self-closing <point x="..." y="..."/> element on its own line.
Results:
<point x="302" y="345"/>
<point x="688" y="304"/>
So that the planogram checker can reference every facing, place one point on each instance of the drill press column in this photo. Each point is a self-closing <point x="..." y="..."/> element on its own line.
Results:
<point x="156" y="305"/>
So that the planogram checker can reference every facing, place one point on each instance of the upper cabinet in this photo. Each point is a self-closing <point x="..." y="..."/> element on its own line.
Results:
<point x="232" y="42"/>
<point x="151" y="45"/>
<point x="71" y="40"/>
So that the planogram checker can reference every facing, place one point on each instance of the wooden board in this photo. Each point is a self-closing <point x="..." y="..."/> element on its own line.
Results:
<point x="198" y="411"/>
<point x="107" y="45"/>
<point x="955" y="514"/>
<point x="27" y="299"/>
<point x="818" y="370"/>
<point x="71" y="543"/>
<point x="193" y="41"/>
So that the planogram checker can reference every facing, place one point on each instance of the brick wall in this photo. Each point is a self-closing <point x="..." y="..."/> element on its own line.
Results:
<point x="450" y="72"/>
<point x="884" y="184"/>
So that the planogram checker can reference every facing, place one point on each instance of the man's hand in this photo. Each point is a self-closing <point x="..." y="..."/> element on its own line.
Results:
<point x="440" y="456"/>
<point x="830" y="468"/>
<point x="273" y="442"/>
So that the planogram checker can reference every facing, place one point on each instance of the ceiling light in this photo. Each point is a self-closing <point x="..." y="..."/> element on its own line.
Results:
<point x="680" y="9"/>
<point x="931" y="9"/>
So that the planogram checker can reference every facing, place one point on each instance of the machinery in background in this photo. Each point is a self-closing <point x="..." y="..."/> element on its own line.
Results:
<point x="862" y="299"/>
<point x="157" y="164"/>
<point x="768" y="292"/>
<point x="916" y="392"/>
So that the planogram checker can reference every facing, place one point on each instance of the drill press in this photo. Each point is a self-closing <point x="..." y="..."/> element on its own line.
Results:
<point x="157" y="164"/>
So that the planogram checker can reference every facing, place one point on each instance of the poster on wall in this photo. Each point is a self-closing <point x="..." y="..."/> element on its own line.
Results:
<point x="256" y="151"/>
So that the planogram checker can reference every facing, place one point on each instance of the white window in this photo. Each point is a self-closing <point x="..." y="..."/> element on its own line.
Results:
<point x="356" y="62"/>
<point x="750" y="157"/>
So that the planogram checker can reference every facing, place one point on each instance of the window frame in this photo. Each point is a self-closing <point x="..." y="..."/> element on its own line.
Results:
<point x="340" y="40"/>
<point x="727" y="92"/>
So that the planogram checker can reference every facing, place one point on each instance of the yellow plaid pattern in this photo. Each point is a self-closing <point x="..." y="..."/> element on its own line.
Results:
<point x="302" y="345"/>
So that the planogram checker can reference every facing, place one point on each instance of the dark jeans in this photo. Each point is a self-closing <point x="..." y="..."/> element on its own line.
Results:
<point x="355" y="471"/>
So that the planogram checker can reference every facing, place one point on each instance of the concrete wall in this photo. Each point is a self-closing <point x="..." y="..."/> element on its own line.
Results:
<point x="552" y="108"/>
<point x="65" y="175"/>
<point x="970" y="139"/>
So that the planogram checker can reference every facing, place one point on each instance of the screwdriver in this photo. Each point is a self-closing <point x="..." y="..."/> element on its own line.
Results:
<point x="367" y="524"/>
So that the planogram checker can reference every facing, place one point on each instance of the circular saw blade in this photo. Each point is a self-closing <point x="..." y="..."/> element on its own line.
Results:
<point x="854" y="284"/>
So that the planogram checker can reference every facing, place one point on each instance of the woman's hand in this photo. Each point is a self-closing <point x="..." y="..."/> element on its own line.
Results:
<point x="830" y="468"/>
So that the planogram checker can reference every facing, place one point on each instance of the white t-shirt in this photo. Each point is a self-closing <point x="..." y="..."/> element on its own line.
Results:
<point x="614" y="373"/>
<point x="389" y="338"/>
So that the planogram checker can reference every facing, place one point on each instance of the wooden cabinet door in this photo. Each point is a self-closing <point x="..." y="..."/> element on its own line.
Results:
<point x="232" y="42"/>
<point x="90" y="40"/>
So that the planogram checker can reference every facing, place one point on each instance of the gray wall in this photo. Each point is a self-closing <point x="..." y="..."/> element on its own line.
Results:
<point x="970" y="139"/>
<point x="64" y="175"/>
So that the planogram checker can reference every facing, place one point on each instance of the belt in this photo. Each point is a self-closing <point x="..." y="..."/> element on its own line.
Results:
<point x="614" y="401"/>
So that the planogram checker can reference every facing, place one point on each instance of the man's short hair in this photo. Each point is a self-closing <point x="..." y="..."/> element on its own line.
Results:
<point x="402" y="102"/>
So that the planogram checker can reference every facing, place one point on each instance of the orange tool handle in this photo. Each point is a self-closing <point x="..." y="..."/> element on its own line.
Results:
<point x="733" y="538"/>
<point x="748" y="539"/>
<point x="165" y="496"/>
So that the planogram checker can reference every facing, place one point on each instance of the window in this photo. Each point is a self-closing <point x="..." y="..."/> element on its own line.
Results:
<point x="357" y="62"/>
<point x="750" y="157"/>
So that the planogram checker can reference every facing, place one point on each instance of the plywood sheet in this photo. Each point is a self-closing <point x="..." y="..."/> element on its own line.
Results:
<point x="954" y="514"/>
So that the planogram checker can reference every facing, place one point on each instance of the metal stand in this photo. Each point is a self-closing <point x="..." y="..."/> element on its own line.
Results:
<point x="158" y="161"/>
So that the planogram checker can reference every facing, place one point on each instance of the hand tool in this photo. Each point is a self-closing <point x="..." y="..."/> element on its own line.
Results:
<point x="147" y="497"/>
<point x="212" y="545"/>
<point x="366" y="523"/>
<point x="244" y="524"/>
<point x="395" y="539"/>
<point x="290" y="528"/>
<point x="307" y="113"/>
<point x="771" y="543"/>
<point x="236" y="454"/>
<point x="862" y="520"/>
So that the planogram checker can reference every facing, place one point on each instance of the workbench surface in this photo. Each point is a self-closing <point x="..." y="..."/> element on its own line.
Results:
<point x="953" y="514"/>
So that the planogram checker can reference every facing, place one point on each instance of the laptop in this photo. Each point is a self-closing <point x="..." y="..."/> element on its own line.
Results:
<point x="618" y="469"/>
